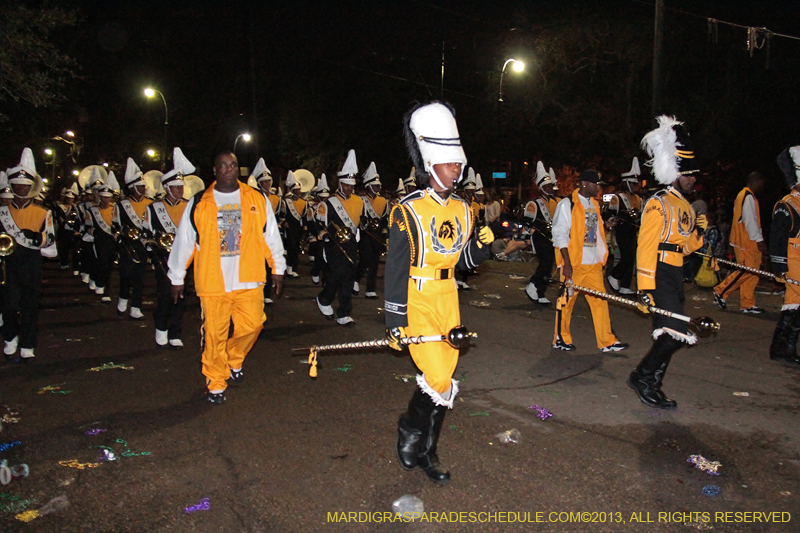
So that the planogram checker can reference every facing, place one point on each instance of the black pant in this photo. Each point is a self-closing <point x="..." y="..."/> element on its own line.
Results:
<point x="315" y="250"/>
<point x="88" y="258"/>
<point x="339" y="276"/>
<point x="77" y="251"/>
<point x="626" y="240"/>
<point x="168" y="316"/>
<point x="21" y="296"/>
<point x="547" y="256"/>
<point x="668" y="295"/>
<point x="105" y="251"/>
<point x="131" y="274"/>
<point x="293" y="236"/>
<point x="369" y="255"/>
<point x="64" y="245"/>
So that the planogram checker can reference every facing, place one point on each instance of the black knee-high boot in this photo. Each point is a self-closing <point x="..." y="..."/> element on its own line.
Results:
<point x="780" y="339"/>
<point x="646" y="379"/>
<point x="411" y="428"/>
<point x="428" y="459"/>
<point x="791" y="339"/>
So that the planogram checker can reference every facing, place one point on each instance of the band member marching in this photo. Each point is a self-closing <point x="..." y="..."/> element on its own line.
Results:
<point x="129" y="218"/>
<point x="67" y="223"/>
<point x="410" y="183"/>
<point x="263" y="182"/>
<point x="626" y="206"/>
<point x="341" y="215"/>
<point x="315" y="227"/>
<point x="373" y="232"/>
<point x="784" y="249"/>
<point x="670" y="231"/>
<point x="100" y="228"/>
<point x="31" y="228"/>
<point x="430" y="235"/>
<point x="538" y="217"/>
<point x="162" y="219"/>
<point x="295" y="209"/>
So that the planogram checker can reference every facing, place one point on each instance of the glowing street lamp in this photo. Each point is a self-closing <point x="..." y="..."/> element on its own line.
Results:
<point x="151" y="153"/>
<point x="69" y="133"/>
<point x="75" y="172"/>
<point x="518" y="66"/>
<point x="48" y="151"/>
<point x="150" y="93"/>
<point x="244" y="136"/>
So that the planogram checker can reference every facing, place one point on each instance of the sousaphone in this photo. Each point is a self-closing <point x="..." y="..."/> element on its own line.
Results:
<point x="305" y="178"/>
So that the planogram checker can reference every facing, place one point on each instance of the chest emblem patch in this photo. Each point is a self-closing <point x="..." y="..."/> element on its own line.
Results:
<point x="445" y="234"/>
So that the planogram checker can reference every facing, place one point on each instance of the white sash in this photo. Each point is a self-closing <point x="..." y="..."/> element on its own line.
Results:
<point x="343" y="215"/>
<point x="163" y="218"/>
<point x="126" y="205"/>
<point x="290" y="206"/>
<point x="12" y="229"/>
<point x="98" y="219"/>
<point x="626" y="201"/>
<point x="544" y="211"/>
<point x="368" y="208"/>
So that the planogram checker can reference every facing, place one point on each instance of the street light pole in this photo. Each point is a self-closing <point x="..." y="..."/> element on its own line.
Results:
<point x="245" y="136"/>
<point x="519" y="66"/>
<point x="150" y="92"/>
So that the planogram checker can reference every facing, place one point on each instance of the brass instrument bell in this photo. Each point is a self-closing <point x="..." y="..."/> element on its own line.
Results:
<point x="7" y="247"/>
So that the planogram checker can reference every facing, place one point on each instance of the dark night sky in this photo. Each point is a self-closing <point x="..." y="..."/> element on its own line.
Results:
<point x="313" y="79"/>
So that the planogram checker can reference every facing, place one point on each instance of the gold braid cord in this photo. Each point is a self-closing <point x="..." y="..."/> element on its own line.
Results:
<point x="405" y="227"/>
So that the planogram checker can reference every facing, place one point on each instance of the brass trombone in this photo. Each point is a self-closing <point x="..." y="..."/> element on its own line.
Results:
<point x="164" y="241"/>
<point x="7" y="247"/>
<point x="340" y="236"/>
<point x="129" y="233"/>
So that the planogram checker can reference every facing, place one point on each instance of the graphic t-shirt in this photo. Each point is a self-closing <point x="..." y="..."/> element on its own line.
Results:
<point x="229" y="223"/>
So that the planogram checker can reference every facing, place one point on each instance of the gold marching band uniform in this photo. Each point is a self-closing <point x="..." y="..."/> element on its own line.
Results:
<point x="538" y="219"/>
<point x="626" y="206"/>
<point x="430" y="236"/>
<point x="373" y="232"/>
<point x="670" y="231"/>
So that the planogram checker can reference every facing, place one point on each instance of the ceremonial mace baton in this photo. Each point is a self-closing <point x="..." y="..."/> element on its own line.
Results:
<point x="458" y="337"/>
<point x="703" y="323"/>
<point x="752" y="270"/>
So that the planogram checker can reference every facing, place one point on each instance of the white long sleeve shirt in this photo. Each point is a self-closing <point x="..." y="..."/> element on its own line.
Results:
<point x="594" y="249"/>
<point x="751" y="222"/>
<point x="228" y="205"/>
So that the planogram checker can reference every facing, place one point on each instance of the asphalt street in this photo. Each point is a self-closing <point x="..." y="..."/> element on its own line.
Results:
<point x="290" y="453"/>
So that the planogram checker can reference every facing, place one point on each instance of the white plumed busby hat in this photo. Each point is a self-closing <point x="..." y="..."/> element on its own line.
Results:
<point x="181" y="167"/>
<point x="110" y="187"/>
<point x="349" y="169"/>
<point x="432" y="138"/>
<point x="371" y="176"/>
<point x="478" y="184"/>
<point x="25" y="172"/>
<point x="469" y="183"/>
<point x="291" y="182"/>
<point x="133" y="174"/>
<point x="261" y="172"/>
<point x="668" y="146"/>
<point x="542" y="176"/>
<point x="322" y="189"/>
<point x="634" y="173"/>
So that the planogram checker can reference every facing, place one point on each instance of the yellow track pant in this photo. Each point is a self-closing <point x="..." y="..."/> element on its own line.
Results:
<point x="591" y="277"/>
<point x="220" y="354"/>
<point x="434" y="311"/>
<point x="745" y="282"/>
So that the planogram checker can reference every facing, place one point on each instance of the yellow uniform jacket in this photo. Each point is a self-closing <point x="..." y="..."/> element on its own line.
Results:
<point x="667" y="234"/>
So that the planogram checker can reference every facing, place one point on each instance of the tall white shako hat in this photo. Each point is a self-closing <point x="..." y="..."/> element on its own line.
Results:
<point x="110" y="187"/>
<point x="411" y="179"/>
<point x="478" y="184"/>
<point x="67" y="192"/>
<point x="291" y="182"/>
<point x="432" y="138"/>
<point x="261" y="172"/>
<point x="322" y="189"/>
<point x="5" y="189"/>
<point x="133" y="174"/>
<point x="349" y="169"/>
<point x="670" y="149"/>
<point x="401" y="188"/>
<point x="371" y="176"/>
<point x="542" y="176"/>
<point x="635" y="172"/>
<point x="789" y="163"/>
<point x="96" y="179"/>
<point x="25" y="173"/>
<point x="469" y="183"/>
<point x="180" y="167"/>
